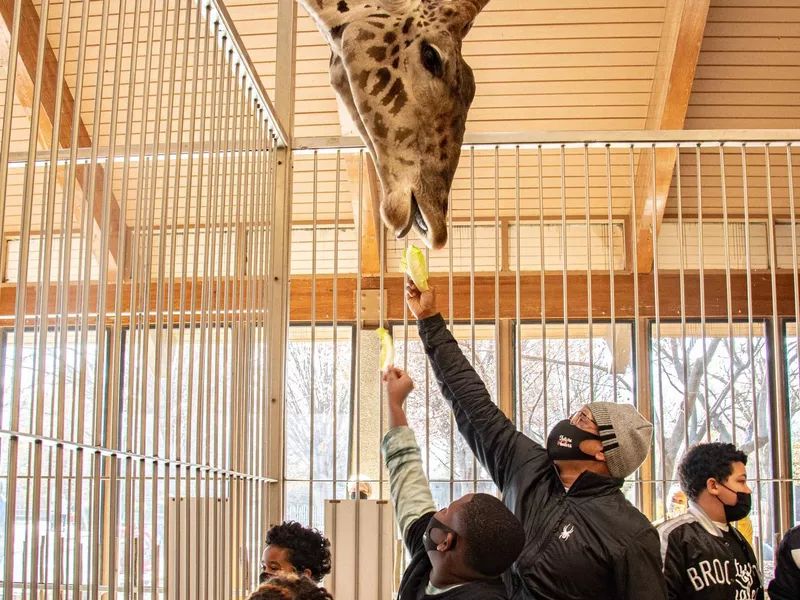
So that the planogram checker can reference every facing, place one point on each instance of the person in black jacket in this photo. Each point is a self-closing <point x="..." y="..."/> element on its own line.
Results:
<point x="459" y="552"/>
<point x="705" y="558"/>
<point x="786" y="585"/>
<point x="583" y="538"/>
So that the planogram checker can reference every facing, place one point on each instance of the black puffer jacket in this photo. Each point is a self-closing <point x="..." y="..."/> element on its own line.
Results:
<point x="786" y="585"/>
<point x="589" y="543"/>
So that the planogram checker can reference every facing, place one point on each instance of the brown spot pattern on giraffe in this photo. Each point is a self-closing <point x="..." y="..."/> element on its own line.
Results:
<point x="384" y="77"/>
<point x="381" y="130"/>
<point x="377" y="53"/>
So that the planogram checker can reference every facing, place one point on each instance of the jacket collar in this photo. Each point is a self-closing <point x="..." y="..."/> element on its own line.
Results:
<point x="704" y="520"/>
<point x="590" y="483"/>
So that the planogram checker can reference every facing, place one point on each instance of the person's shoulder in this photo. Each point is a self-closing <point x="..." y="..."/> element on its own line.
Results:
<point x="627" y="513"/>
<point x="675" y="527"/>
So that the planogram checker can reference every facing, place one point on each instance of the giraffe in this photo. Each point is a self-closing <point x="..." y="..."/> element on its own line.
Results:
<point x="396" y="66"/>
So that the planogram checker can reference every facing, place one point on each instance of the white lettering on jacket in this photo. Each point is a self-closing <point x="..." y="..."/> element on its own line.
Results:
<point x="743" y="577"/>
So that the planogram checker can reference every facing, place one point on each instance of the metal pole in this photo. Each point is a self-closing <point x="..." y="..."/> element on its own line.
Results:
<point x="751" y="353"/>
<point x="473" y="353"/>
<point x="564" y="267"/>
<point x="656" y="304"/>
<point x="728" y="295"/>
<point x="589" y="265"/>
<point x="612" y="277"/>
<point x="701" y="266"/>
<point x="518" y="273"/>
<point x="682" y="267"/>
<point x="542" y="298"/>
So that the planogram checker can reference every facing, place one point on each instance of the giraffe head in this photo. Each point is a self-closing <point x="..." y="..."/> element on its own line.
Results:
<point x="396" y="66"/>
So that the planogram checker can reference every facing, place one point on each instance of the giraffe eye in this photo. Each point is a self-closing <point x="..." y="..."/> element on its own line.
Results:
<point x="431" y="60"/>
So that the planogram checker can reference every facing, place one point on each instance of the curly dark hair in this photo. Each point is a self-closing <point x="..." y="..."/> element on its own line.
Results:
<point x="706" y="461"/>
<point x="494" y="536"/>
<point x="306" y="548"/>
<point x="290" y="587"/>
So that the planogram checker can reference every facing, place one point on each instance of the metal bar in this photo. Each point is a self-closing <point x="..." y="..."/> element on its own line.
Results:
<point x="701" y="266"/>
<point x="473" y="353"/>
<point x="450" y="325"/>
<point x="520" y="406"/>
<point x="782" y="434"/>
<point x="553" y="140"/>
<point x="682" y="267"/>
<point x="587" y="202"/>
<point x="5" y="147"/>
<point x="497" y="267"/>
<point x="611" y="269"/>
<point x="657" y="335"/>
<point x="313" y="383"/>
<point x="751" y="353"/>
<point x="542" y="287"/>
<point x="783" y="458"/>
<point x="728" y="295"/>
<point x="632" y="236"/>
<point x="335" y="315"/>
<point x="564" y="266"/>
<point x="357" y="395"/>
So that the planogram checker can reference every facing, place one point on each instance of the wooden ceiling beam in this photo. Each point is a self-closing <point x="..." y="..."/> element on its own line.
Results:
<point x="26" y="76"/>
<point x="678" y="52"/>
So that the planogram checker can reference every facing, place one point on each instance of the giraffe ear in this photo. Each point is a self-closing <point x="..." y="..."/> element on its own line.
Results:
<point x="466" y="12"/>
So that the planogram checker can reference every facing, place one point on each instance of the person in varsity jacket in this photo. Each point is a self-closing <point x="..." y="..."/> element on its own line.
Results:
<point x="786" y="585"/>
<point x="459" y="552"/>
<point x="705" y="558"/>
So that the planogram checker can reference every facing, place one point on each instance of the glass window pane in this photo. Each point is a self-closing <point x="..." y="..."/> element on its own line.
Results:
<point x="331" y="449"/>
<point x="709" y="386"/>
<point x="593" y="371"/>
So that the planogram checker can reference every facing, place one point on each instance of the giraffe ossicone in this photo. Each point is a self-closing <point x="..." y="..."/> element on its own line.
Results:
<point x="396" y="66"/>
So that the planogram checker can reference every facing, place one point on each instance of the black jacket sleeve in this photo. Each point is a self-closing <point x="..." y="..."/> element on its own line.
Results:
<point x="416" y="533"/>
<point x="638" y="572"/>
<point x="674" y="567"/>
<point x="491" y="436"/>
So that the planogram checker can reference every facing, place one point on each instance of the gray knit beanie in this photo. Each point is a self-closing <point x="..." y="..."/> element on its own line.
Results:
<point x="626" y="436"/>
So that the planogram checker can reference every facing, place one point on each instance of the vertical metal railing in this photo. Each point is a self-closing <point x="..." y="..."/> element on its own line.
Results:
<point x="138" y="251"/>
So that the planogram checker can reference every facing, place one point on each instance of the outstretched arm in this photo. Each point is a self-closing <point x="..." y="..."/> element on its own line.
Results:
<point x="492" y="437"/>
<point x="408" y="485"/>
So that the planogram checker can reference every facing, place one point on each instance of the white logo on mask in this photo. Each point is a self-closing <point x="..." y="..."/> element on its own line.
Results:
<point x="564" y="441"/>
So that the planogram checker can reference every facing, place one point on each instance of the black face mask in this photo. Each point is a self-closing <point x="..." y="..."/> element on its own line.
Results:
<point x="564" y="442"/>
<point x="742" y="508"/>
<point x="435" y="523"/>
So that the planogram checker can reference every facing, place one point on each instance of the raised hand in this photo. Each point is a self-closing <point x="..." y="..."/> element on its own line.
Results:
<point x="421" y="304"/>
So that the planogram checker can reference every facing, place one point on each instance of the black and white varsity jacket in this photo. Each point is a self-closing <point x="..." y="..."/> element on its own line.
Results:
<point x="700" y="565"/>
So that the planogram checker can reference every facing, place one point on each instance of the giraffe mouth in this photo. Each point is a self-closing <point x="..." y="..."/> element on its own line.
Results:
<point x="415" y="218"/>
